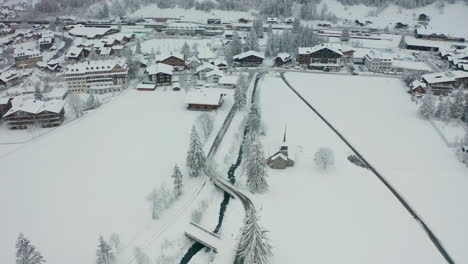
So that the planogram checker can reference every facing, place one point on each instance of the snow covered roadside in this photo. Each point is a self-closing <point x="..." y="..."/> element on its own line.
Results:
<point x="98" y="172"/>
<point x="343" y="215"/>
<point x="376" y="115"/>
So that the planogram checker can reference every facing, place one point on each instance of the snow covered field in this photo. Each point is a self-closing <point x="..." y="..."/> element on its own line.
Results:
<point x="91" y="177"/>
<point x="376" y="115"/>
<point x="344" y="215"/>
<point x="167" y="45"/>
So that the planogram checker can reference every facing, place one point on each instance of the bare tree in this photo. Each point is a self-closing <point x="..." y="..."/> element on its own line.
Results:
<point x="324" y="158"/>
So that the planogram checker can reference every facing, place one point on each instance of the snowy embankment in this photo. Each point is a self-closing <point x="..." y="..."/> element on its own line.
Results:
<point x="378" y="118"/>
<point x="189" y="14"/>
<point x="91" y="177"/>
<point x="342" y="215"/>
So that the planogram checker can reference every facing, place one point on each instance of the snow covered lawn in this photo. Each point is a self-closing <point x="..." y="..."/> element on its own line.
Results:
<point x="91" y="177"/>
<point x="378" y="118"/>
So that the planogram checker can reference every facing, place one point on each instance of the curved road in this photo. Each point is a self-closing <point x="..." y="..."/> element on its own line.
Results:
<point x="435" y="241"/>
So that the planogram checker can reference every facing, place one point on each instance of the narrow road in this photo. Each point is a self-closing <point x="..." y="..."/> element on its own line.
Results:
<point x="65" y="48"/>
<point x="435" y="241"/>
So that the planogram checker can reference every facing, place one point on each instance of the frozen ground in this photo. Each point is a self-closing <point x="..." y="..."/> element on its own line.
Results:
<point x="378" y="118"/>
<point x="91" y="177"/>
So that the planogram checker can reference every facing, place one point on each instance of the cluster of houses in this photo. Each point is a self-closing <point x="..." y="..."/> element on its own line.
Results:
<point x="108" y="46"/>
<point x="457" y="59"/>
<point x="12" y="11"/>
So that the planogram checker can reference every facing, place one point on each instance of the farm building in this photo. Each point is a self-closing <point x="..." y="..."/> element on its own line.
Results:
<point x="249" y="59"/>
<point x="204" y="99"/>
<point x="280" y="160"/>
<point x="282" y="58"/>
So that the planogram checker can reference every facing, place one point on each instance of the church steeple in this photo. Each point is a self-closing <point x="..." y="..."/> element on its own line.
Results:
<point x="284" y="146"/>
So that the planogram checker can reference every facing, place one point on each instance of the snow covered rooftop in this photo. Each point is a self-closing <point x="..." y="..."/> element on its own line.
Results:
<point x="160" y="68"/>
<point x="284" y="56"/>
<point x="57" y="93"/>
<point x="376" y="55"/>
<point x="9" y="75"/>
<point x="205" y="66"/>
<point x="309" y="50"/>
<point x="248" y="54"/>
<point x="89" y="32"/>
<point x="4" y="100"/>
<point x="74" y="52"/>
<point x="21" y="52"/>
<point x="167" y="56"/>
<point x="214" y="72"/>
<point x="417" y="83"/>
<point x="34" y="107"/>
<point x="411" y="65"/>
<point x="204" y="97"/>
<point x="93" y="66"/>
<point x="228" y="80"/>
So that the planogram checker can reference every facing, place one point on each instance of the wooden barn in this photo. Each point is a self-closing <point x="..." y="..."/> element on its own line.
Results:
<point x="176" y="60"/>
<point x="282" y="59"/>
<point x="321" y="57"/>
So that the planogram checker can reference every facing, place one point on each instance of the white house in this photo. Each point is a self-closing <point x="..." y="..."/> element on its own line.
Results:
<point x="214" y="76"/>
<point x="229" y="82"/>
<point x="378" y="62"/>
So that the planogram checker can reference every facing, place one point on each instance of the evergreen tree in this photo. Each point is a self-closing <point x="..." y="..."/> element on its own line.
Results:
<point x="254" y="119"/>
<point x="27" y="253"/>
<point x="427" y="107"/>
<point x="258" y="26"/>
<point x="195" y="157"/>
<point x="38" y="95"/>
<point x="105" y="10"/>
<point x="458" y="105"/>
<point x="446" y="112"/>
<point x="296" y="25"/>
<point x="178" y="180"/>
<point x="256" y="167"/>
<point x="402" y="43"/>
<point x="254" y="245"/>
<point x="186" y="50"/>
<point x="92" y="102"/>
<point x="240" y="93"/>
<point x="438" y="111"/>
<point x="138" y="47"/>
<point x="345" y="36"/>
<point x="104" y="253"/>
<point x="251" y="43"/>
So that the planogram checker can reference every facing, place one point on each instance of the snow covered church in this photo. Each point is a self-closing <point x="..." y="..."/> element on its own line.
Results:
<point x="280" y="160"/>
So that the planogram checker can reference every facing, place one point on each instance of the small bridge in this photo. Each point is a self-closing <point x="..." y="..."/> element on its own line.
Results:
<point x="203" y="236"/>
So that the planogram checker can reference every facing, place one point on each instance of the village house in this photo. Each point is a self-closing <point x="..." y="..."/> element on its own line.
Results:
<point x="204" y="99"/>
<point x="26" y="58"/>
<point x="214" y="76"/>
<point x="193" y="62"/>
<point x="418" y="87"/>
<point x="228" y="82"/>
<point x="46" y="43"/>
<point x="282" y="59"/>
<point x="203" y="69"/>
<point x="31" y="112"/>
<point x="59" y="93"/>
<point x="221" y="64"/>
<point x="243" y="20"/>
<point x="423" y="18"/>
<point x="97" y="77"/>
<point x="445" y="82"/>
<point x="176" y="60"/>
<point x="324" y="57"/>
<point x="160" y="73"/>
<point x="9" y="78"/>
<point x="76" y="54"/>
<point x="5" y="105"/>
<point x="272" y="20"/>
<point x="248" y="59"/>
<point x="378" y="62"/>
<point x="280" y="160"/>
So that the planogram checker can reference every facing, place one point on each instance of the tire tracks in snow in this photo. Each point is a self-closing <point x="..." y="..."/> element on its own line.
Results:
<point x="434" y="239"/>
